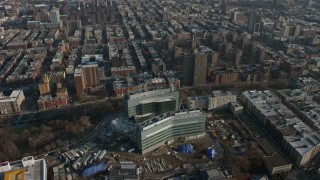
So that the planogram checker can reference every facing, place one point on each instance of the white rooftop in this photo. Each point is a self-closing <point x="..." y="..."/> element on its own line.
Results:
<point x="304" y="144"/>
<point x="169" y="116"/>
<point x="13" y="97"/>
<point x="257" y="97"/>
<point x="37" y="170"/>
<point x="15" y="93"/>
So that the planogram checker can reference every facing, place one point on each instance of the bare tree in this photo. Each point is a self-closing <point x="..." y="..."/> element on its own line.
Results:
<point x="59" y="143"/>
<point x="9" y="148"/>
<point x="84" y="121"/>
<point x="25" y="134"/>
<point x="47" y="147"/>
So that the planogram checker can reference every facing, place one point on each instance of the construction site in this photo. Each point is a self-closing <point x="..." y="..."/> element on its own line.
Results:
<point x="165" y="160"/>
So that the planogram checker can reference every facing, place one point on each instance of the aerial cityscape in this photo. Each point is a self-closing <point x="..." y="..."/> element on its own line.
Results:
<point x="152" y="89"/>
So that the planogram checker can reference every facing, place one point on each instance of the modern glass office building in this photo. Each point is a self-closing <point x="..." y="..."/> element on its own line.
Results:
<point x="169" y="127"/>
<point x="155" y="101"/>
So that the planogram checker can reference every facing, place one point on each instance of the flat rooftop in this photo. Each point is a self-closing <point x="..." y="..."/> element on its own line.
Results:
<point x="261" y="96"/>
<point x="273" y="156"/>
<point x="308" y="81"/>
<point x="304" y="144"/>
<point x="198" y="98"/>
<point x="149" y="93"/>
<point x="89" y="65"/>
<point x="37" y="171"/>
<point x="292" y="92"/>
<point x="12" y="98"/>
<point x="78" y="72"/>
<point x="310" y="109"/>
<point x="157" y="120"/>
<point x="87" y="58"/>
<point x="15" y="93"/>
